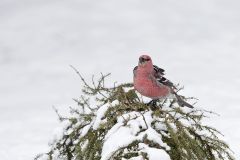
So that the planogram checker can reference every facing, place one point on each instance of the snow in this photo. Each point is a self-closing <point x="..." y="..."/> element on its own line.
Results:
<point x="136" y="158"/>
<point x="121" y="138"/>
<point x="154" y="136"/>
<point x="85" y="130"/>
<point x="154" y="153"/>
<point x="124" y="133"/>
<point x="100" y="113"/>
<point x="196" y="42"/>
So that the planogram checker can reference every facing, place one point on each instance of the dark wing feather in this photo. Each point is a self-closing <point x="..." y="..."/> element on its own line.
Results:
<point x="158" y="70"/>
<point x="159" y="75"/>
<point x="134" y="70"/>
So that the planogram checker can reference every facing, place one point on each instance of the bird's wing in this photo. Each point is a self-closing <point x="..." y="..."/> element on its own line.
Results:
<point x="159" y="75"/>
<point x="135" y="70"/>
<point x="158" y="71"/>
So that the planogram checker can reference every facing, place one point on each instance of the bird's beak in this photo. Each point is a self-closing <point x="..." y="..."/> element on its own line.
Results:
<point x="141" y="60"/>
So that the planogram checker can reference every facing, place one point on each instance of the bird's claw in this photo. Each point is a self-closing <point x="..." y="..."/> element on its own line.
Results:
<point x="152" y="104"/>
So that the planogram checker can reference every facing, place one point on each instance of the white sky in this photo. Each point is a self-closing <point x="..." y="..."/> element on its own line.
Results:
<point x="197" y="42"/>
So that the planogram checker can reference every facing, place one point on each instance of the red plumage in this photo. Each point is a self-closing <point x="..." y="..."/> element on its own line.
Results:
<point x="149" y="81"/>
<point x="146" y="82"/>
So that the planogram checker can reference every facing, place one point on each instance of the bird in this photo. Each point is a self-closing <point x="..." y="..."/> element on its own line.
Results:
<point x="149" y="81"/>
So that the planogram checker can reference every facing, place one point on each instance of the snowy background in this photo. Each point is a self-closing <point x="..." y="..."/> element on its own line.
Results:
<point x="197" y="42"/>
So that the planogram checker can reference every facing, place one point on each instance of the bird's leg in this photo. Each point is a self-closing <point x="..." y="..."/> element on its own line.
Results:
<point x="152" y="103"/>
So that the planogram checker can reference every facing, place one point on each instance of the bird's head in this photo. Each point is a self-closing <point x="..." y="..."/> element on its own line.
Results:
<point x="145" y="61"/>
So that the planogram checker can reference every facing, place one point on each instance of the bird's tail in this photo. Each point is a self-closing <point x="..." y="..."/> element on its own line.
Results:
<point x="181" y="102"/>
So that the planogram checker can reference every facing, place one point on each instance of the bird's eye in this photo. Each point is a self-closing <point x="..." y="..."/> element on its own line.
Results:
<point x="144" y="59"/>
<point x="147" y="59"/>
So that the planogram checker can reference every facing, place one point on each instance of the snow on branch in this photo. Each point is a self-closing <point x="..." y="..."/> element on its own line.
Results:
<point x="120" y="126"/>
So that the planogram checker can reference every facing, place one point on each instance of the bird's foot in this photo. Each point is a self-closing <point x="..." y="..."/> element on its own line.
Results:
<point x="152" y="104"/>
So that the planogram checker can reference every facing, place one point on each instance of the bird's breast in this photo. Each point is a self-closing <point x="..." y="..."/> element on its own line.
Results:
<point x="150" y="88"/>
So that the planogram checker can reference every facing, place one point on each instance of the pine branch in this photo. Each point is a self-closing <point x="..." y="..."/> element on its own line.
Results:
<point x="183" y="135"/>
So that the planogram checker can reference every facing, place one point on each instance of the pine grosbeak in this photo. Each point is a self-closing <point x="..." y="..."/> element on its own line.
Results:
<point x="149" y="81"/>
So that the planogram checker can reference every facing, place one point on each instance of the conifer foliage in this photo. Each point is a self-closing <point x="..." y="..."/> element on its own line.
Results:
<point x="115" y="124"/>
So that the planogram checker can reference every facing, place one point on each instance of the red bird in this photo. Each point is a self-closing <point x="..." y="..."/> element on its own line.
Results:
<point x="149" y="81"/>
